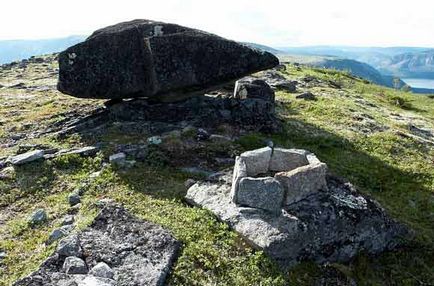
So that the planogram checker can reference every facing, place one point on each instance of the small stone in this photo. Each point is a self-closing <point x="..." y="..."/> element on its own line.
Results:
<point x="118" y="159"/>
<point x="68" y="220"/>
<point x="59" y="233"/>
<point x="102" y="270"/>
<point x="95" y="175"/>
<point x="189" y="182"/>
<point x="74" y="265"/>
<point x="306" y="96"/>
<point x="253" y="88"/>
<point x="69" y="246"/>
<point x="155" y="140"/>
<point x="263" y="193"/>
<point x="38" y="217"/>
<point x="74" y="198"/>
<point x="202" y="134"/>
<point x="26" y="157"/>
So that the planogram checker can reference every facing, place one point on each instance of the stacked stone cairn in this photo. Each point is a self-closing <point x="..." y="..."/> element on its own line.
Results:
<point x="270" y="179"/>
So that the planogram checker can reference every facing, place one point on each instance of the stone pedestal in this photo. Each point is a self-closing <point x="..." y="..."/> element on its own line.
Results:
<point x="298" y="174"/>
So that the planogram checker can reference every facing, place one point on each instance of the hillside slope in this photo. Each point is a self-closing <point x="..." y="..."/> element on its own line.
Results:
<point x="354" y="67"/>
<point x="414" y="65"/>
<point x="380" y="139"/>
<point x="13" y="50"/>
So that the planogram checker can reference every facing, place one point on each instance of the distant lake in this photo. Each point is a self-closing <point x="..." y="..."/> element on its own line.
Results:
<point x="419" y="82"/>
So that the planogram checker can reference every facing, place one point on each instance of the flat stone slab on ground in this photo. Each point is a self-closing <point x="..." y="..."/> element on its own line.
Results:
<point x="330" y="226"/>
<point x="26" y="157"/>
<point x="138" y="252"/>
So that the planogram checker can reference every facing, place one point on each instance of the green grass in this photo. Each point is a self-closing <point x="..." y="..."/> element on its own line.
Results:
<point x="396" y="170"/>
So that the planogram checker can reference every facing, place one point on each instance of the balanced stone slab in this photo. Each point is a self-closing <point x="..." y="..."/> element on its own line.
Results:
<point x="144" y="58"/>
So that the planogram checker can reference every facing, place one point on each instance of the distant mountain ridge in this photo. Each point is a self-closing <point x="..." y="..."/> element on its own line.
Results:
<point x="354" y="67"/>
<point x="416" y="64"/>
<point x="264" y="48"/>
<point x="13" y="50"/>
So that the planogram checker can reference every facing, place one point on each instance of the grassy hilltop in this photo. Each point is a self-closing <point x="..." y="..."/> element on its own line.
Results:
<point x="380" y="139"/>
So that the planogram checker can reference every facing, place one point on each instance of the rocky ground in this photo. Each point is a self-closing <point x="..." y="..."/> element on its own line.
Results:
<point x="379" y="139"/>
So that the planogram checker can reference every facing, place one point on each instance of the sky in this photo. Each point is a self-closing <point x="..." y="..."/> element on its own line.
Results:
<point x="276" y="23"/>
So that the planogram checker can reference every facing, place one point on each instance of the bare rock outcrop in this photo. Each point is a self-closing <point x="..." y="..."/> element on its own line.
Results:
<point x="116" y="249"/>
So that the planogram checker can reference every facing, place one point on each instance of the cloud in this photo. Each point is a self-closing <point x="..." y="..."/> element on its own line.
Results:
<point x="272" y="22"/>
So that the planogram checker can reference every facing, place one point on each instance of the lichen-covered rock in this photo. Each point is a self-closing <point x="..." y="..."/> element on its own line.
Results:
<point x="144" y="58"/>
<point x="331" y="226"/>
<point x="118" y="248"/>
<point x="102" y="270"/>
<point x="74" y="198"/>
<point x="58" y="233"/>
<point x="26" y="157"/>
<point x="253" y="88"/>
<point x="74" y="265"/>
<point x="70" y="246"/>
<point x="38" y="217"/>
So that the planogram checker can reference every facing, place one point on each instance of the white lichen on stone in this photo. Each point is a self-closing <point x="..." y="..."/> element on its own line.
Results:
<point x="158" y="30"/>
<point x="71" y="57"/>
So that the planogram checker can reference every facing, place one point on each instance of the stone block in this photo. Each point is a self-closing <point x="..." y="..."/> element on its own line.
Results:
<point x="257" y="161"/>
<point x="302" y="182"/>
<point x="240" y="171"/>
<point x="263" y="193"/>
<point x="287" y="159"/>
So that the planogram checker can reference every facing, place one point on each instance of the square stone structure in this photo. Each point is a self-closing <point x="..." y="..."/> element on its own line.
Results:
<point x="297" y="175"/>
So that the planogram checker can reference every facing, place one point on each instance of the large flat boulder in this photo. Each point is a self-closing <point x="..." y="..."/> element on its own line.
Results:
<point x="326" y="227"/>
<point x="116" y="249"/>
<point x="144" y="58"/>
